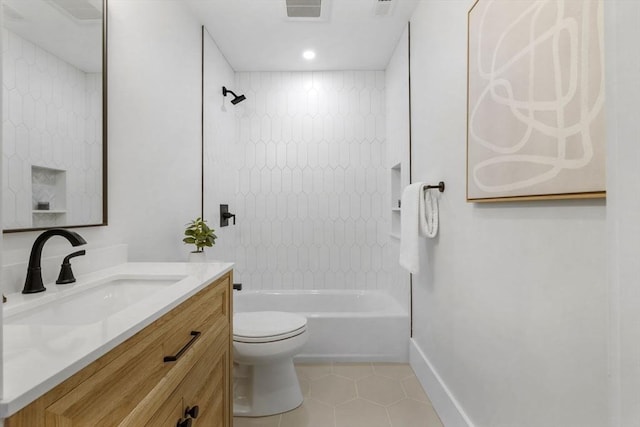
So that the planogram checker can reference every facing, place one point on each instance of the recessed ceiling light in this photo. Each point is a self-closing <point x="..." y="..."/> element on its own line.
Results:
<point x="308" y="55"/>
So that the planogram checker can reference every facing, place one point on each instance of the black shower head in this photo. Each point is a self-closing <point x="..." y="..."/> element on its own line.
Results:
<point x="236" y="98"/>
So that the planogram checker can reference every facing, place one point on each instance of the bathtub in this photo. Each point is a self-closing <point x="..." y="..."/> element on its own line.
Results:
<point x="343" y="326"/>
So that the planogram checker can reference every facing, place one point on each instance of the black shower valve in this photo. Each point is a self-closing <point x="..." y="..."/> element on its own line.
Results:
<point x="225" y="215"/>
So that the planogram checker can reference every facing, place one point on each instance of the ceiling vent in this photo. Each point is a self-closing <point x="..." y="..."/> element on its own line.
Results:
<point x="83" y="10"/>
<point x="383" y="7"/>
<point x="304" y="8"/>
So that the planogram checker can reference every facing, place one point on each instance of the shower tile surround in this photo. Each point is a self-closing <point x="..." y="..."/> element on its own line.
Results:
<point x="53" y="120"/>
<point x="311" y="181"/>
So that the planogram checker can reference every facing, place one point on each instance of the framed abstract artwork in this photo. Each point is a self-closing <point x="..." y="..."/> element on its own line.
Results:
<point x="535" y="100"/>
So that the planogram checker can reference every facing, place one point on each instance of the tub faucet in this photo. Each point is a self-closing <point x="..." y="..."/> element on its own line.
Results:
<point x="33" y="282"/>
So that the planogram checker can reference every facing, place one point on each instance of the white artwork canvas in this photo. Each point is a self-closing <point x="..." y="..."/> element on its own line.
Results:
<point x="535" y="123"/>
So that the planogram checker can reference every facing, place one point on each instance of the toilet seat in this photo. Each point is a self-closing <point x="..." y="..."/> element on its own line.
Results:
<point x="267" y="326"/>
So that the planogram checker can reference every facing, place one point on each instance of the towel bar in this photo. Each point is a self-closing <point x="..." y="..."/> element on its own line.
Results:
<point x="440" y="187"/>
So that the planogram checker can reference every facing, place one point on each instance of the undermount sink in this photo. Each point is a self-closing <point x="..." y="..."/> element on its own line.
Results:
<point x="92" y="303"/>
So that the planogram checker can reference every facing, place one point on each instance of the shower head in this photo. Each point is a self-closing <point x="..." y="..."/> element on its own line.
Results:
<point x="236" y="99"/>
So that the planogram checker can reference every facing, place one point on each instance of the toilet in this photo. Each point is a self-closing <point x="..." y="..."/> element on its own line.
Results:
<point x="265" y="380"/>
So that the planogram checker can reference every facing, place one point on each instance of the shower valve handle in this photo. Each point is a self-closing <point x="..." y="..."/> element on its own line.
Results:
<point x="227" y="215"/>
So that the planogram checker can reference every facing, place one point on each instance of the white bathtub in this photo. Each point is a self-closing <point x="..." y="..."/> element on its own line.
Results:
<point x="344" y="326"/>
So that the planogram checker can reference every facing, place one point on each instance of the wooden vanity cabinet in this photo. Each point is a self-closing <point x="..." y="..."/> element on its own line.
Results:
<point x="133" y="385"/>
<point x="197" y="392"/>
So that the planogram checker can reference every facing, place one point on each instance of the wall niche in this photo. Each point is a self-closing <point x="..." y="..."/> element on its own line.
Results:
<point x="48" y="196"/>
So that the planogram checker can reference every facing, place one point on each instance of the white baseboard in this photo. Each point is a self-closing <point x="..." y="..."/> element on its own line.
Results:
<point x="449" y="410"/>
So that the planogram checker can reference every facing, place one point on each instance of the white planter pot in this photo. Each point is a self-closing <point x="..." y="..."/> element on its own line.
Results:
<point x="197" y="257"/>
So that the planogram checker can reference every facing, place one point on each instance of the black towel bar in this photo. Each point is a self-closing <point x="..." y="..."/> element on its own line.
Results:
<point x="440" y="187"/>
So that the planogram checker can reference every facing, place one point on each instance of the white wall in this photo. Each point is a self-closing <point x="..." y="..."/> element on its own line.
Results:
<point x="397" y="115"/>
<point x="154" y="125"/>
<point x="154" y="129"/>
<point x="623" y="206"/>
<point x="312" y="181"/>
<point x="221" y="162"/>
<point x="510" y="305"/>
<point x="2" y="287"/>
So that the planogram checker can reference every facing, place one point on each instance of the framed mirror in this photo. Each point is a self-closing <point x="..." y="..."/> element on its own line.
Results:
<point x="54" y="114"/>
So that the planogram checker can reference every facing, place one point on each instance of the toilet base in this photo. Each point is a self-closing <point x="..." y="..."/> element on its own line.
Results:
<point x="265" y="389"/>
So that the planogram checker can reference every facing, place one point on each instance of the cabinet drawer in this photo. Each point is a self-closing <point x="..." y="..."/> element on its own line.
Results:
<point x="204" y="387"/>
<point x="198" y="314"/>
<point x="206" y="384"/>
<point x="110" y="395"/>
<point x="107" y="396"/>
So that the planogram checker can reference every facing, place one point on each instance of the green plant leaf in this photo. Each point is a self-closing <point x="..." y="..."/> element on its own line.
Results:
<point x="198" y="233"/>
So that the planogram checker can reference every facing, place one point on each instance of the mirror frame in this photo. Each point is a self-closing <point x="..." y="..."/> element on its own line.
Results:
<point x="105" y="205"/>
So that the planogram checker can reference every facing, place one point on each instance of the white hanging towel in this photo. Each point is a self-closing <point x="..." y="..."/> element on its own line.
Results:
<point x="409" y="227"/>
<point x="416" y="220"/>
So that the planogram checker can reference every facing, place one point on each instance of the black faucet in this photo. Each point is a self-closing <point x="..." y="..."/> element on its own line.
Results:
<point x="33" y="283"/>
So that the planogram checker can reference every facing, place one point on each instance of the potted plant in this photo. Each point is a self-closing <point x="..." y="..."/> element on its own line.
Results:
<point x="198" y="233"/>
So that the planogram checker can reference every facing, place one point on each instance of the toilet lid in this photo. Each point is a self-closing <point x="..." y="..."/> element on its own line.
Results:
<point x="267" y="326"/>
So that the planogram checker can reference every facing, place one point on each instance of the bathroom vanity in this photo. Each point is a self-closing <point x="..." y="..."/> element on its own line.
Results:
<point x="163" y="360"/>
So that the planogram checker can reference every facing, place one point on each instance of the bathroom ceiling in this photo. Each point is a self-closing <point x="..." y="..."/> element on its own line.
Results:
<point x="257" y="35"/>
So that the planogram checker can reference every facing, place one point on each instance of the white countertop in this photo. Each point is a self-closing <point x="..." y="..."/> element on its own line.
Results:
<point x="37" y="357"/>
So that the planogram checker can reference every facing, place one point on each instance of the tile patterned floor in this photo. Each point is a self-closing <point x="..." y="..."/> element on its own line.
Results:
<point x="355" y="395"/>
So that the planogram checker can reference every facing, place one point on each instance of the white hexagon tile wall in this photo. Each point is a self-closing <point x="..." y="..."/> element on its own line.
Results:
<point x="52" y="119"/>
<point x="311" y="181"/>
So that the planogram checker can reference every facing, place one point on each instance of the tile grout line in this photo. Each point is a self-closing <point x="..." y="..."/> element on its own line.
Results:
<point x="386" y="410"/>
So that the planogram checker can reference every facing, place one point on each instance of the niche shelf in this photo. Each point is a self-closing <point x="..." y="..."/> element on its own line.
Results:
<point x="48" y="185"/>
<point x="49" y="212"/>
<point x="396" y="192"/>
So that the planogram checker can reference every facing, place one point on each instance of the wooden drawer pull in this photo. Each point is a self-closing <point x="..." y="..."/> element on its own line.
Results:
<point x="194" y="336"/>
